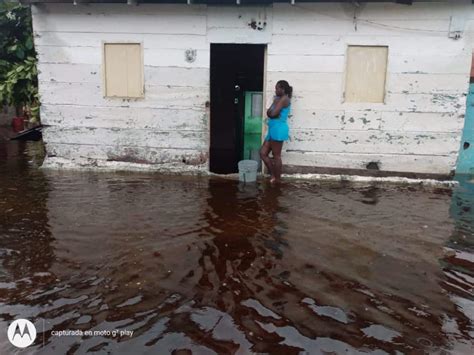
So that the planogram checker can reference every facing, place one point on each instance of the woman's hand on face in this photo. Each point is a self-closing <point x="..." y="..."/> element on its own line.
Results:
<point x="276" y="100"/>
<point x="278" y="104"/>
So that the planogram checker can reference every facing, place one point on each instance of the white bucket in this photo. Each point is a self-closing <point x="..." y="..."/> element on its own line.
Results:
<point x="248" y="170"/>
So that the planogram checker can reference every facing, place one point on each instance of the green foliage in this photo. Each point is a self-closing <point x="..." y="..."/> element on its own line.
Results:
<point x="18" y="72"/>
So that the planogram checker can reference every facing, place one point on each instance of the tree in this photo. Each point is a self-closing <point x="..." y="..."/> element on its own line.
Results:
<point x="18" y="71"/>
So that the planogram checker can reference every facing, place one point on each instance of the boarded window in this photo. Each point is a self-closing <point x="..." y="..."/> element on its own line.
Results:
<point x="123" y="70"/>
<point x="365" y="73"/>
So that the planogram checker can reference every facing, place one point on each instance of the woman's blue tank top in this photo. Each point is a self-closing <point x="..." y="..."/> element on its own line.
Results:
<point x="284" y="112"/>
<point x="282" y="117"/>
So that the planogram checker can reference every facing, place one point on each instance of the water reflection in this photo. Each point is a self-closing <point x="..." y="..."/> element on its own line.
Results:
<point x="205" y="265"/>
<point x="26" y="252"/>
<point x="458" y="262"/>
<point x="370" y="195"/>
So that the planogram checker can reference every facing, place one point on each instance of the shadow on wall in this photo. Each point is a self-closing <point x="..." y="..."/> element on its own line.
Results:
<point x="6" y="115"/>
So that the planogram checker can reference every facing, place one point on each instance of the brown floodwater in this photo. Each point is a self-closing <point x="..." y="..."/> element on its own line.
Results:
<point x="158" y="264"/>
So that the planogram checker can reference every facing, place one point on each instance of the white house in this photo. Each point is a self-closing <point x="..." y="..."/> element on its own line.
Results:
<point x="377" y="85"/>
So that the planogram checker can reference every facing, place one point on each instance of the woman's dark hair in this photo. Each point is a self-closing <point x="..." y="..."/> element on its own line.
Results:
<point x="286" y="87"/>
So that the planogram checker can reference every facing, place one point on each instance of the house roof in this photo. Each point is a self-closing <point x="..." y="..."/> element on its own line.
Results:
<point x="209" y="2"/>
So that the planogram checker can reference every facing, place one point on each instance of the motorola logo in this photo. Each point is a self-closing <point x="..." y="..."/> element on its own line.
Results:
<point x="22" y="333"/>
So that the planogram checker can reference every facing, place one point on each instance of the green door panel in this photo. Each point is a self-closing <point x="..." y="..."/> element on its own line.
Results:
<point x="252" y="125"/>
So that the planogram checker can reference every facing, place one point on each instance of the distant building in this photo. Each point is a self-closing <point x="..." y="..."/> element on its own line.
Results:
<point x="377" y="85"/>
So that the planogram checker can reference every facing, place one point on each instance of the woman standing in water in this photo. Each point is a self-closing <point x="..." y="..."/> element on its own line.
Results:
<point x="277" y="129"/>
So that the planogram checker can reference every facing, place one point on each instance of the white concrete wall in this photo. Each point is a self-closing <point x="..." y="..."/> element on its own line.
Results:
<point x="417" y="129"/>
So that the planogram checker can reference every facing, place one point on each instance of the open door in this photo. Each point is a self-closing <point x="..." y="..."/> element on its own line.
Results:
<point x="235" y="70"/>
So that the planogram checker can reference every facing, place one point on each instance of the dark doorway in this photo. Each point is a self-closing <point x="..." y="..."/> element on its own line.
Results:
<point x="235" y="69"/>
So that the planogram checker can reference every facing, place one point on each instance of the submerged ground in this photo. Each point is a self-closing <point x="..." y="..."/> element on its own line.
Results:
<point x="205" y="265"/>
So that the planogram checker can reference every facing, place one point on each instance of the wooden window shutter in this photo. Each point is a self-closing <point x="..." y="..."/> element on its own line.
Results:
<point x="366" y="73"/>
<point x="123" y="70"/>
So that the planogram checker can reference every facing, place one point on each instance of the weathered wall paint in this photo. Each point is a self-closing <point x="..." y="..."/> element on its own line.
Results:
<point x="417" y="128"/>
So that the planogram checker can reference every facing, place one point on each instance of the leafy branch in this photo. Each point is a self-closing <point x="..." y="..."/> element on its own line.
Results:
<point x="18" y="70"/>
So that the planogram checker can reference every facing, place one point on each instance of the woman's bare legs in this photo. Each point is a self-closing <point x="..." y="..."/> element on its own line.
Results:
<point x="276" y="147"/>
<point x="264" y="152"/>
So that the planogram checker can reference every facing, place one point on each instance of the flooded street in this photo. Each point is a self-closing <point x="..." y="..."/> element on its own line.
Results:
<point x="170" y="264"/>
